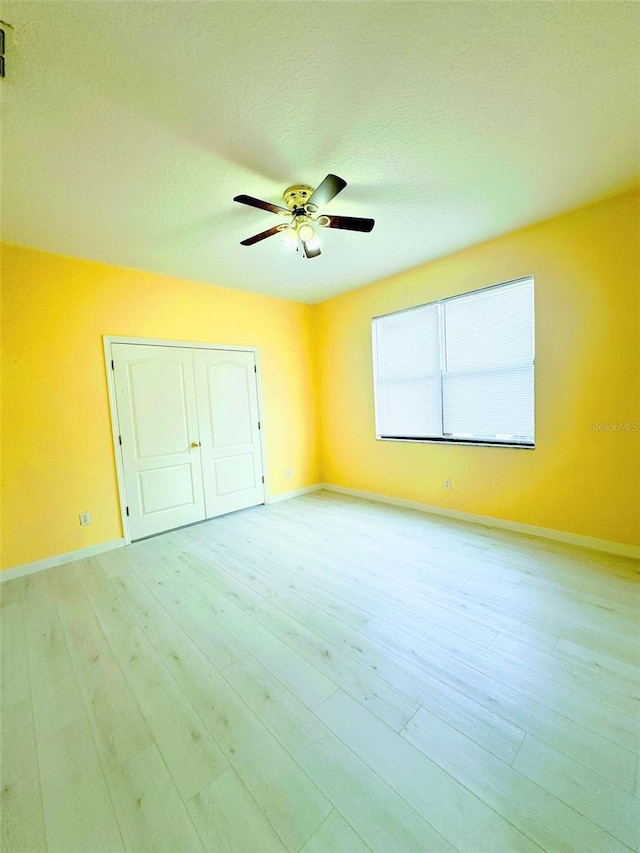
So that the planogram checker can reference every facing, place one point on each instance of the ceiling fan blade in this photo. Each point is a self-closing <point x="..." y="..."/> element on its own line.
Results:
<point x="348" y="223"/>
<point x="263" y="205"/>
<point x="328" y="189"/>
<point x="309" y="251"/>
<point x="261" y="236"/>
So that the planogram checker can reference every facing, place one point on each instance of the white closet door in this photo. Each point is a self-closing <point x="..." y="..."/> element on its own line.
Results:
<point x="228" y="415"/>
<point x="158" y="421"/>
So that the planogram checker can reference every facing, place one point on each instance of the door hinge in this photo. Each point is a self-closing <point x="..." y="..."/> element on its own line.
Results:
<point x="259" y="427"/>
<point x="127" y="510"/>
<point x="255" y="368"/>
<point x="120" y="440"/>
<point x="2" y="69"/>
<point x="112" y="365"/>
<point x="263" y="479"/>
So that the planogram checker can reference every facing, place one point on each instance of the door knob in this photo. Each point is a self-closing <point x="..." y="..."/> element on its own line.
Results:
<point x="195" y="444"/>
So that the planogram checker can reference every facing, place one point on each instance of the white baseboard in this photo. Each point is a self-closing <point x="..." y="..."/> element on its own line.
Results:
<point x="619" y="548"/>
<point x="59" y="560"/>
<point x="285" y="496"/>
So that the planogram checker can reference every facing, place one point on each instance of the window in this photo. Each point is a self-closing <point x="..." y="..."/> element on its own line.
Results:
<point x="458" y="370"/>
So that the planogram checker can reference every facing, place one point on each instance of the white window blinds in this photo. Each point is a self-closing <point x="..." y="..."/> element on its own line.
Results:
<point x="461" y="369"/>
<point x="408" y="382"/>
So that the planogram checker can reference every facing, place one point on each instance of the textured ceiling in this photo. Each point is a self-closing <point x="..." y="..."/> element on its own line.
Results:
<point x="128" y="128"/>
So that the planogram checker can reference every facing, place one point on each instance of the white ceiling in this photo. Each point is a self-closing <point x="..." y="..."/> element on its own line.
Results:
<point x="128" y="128"/>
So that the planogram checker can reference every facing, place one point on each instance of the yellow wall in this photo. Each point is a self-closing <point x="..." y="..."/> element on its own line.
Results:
<point x="586" y="266"/>
<point x="57" y="452"/>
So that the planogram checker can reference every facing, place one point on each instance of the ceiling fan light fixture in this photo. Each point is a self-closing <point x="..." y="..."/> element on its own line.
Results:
<point x="290" y="238"/>
<point x="306" y="233"/>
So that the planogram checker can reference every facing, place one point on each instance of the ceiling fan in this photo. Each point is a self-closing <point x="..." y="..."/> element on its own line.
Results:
<point x="302" y="210"/>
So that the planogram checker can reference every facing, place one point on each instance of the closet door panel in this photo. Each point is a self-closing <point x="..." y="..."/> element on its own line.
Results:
<point x="158" y="421"/>
<point x="228" y="416"/>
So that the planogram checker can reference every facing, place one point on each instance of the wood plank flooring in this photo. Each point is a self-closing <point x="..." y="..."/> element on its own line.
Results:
<point x="324" y="675"/>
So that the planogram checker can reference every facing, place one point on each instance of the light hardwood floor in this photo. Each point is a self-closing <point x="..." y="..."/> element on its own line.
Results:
<point x="324" y="674"/>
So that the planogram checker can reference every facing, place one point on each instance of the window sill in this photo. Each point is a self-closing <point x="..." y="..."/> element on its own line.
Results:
<point x="456" y="442"/>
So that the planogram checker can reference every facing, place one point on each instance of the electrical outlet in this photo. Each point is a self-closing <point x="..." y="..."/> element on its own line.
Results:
<point x="85" y="518"/>
<point x="447" y="484"/>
